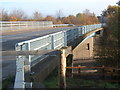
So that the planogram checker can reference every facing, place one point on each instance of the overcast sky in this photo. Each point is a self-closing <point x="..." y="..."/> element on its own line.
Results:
<point x="50" y="7"/>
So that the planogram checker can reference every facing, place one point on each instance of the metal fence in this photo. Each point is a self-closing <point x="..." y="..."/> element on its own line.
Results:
<point x="17" y="25"/>
<point x="51" y="41"/>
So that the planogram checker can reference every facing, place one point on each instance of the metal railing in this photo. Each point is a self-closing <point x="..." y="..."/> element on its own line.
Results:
<point x="51" y="41"/>
<point x="18" y="25"/>
<point x="63" y="25"/>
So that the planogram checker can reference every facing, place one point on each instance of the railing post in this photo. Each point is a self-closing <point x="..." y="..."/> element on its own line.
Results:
<point x="29" y="60"/>
<point x="65" y="38"/>
<point x="28" y="69"/>
<point x="52" y="41"/>
<point x="26" y="65"/>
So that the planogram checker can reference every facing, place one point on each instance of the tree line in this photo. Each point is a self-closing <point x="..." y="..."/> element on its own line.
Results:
<point x="79" y="19"/>
<point x="109" y="48"/>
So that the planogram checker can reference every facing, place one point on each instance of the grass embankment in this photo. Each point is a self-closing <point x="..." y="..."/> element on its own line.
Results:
<point x="79" y="83"/>
<point x="52" y="82"/>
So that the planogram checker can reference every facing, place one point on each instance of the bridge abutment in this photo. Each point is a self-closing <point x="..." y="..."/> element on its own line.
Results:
<point x="84" y="50"/>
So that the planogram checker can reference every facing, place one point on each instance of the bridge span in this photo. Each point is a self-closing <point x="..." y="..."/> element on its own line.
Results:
<point x="32" y="66"/>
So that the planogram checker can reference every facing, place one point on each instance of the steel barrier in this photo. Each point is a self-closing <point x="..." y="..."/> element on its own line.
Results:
<point x="18" y="25"/>
<point x="51" y="41"/>
<point x="62" y="25"/>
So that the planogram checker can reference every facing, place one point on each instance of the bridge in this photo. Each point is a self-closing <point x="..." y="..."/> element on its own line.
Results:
<point x="35" y="53"/>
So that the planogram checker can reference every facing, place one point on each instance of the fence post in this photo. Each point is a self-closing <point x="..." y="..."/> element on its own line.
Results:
<point x="79" y="69"/>
<point x="103" y="71"/>
<point x="69" y="72"/>
<point x="62" y="82"/>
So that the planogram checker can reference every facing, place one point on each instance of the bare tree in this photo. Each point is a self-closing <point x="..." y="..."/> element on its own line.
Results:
<point x="4" y="15"/>
<point x="87" y="12"/>
<point x="37" y="15"/>
<point x="17" y="14"/>
<point x="59" y="14"/>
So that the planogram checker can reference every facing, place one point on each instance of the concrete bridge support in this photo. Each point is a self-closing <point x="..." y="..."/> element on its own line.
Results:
<point x="84" y="50"/>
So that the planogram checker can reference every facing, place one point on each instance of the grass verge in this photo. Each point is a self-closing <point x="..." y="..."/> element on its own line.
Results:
<point x="52" y="82"/>
<point x="79" y="82"/>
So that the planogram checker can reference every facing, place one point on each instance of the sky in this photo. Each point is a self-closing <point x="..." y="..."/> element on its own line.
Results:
<point x="51" y="7"/>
